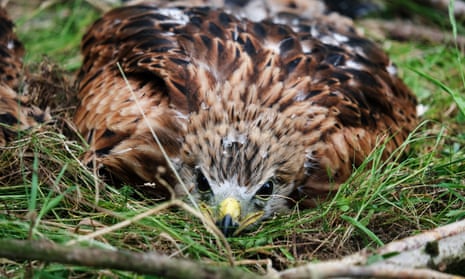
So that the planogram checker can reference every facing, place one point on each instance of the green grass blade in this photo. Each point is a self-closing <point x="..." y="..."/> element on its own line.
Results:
<point x="51" y="203"/>
<point x="34" y="184"/>
<point x="452" y="18"/>
<point x="362" y="228"/>
<point x="453" y="23"/>
<point x="458" y="99"/>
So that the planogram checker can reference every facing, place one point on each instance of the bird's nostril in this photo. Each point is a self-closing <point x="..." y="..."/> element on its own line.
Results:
<point x="227" y="225"/>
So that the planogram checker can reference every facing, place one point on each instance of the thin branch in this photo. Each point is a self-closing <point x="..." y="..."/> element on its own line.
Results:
<point x="440" y="246"/>
<point x="405" y="30"/>
<point x="406" y="258"/>
<point x="338" y="269"/>
<point x="143" y="263"/>
<point x="151" y="212"/>
<point x="459" y="6"/>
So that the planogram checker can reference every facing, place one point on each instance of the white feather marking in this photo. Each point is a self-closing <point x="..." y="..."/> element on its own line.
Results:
<point x="329" y="40"/>
<point x="301" y="95"/>
<point x="340" y="38"/>
<point x="232" y="138"/>
<point x="122" y="151"/>
<point x="306" y="48"/>
<point x="177" y="16"/>
<point x="391" y="69"/>
<point x="272" y="46"/>
<point x="353" y="65"/>
<point x="235" y="34"/>
<point x="10" y="45"/>
<point x="314" y="32"/>
<point x="421" y="109"/>
<point x="181" y="115"/>
<point x="230" y="188"/>
<point x="308" y="164"/>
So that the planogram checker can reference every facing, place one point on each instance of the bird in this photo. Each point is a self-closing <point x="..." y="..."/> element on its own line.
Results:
<point x="253" y="114"/>
<point x="17" y="114"/>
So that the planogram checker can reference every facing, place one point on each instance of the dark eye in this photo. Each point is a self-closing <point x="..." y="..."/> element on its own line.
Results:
<point x="265" y="192"/>
<point x="202" y="183"/>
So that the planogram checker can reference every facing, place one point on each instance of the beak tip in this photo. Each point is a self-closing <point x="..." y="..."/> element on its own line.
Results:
<point x="227" y="225"/>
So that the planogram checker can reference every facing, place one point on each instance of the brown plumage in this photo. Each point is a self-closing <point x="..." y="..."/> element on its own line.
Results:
<point x="252" y="114"/>
<point x="16" y="113"/>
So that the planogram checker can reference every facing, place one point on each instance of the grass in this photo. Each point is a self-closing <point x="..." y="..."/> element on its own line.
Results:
<point x="45" y="193"/>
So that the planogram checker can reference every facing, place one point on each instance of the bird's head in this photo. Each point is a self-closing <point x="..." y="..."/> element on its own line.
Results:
<point x="241" y="163"/>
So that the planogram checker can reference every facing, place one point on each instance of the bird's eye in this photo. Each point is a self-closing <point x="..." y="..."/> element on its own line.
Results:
<point x="265" y="192"/>
<point x="202" y="183"/>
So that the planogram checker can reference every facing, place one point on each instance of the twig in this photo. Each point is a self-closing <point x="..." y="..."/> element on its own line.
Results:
<point x="406" y="31"/>
<point x="338" y="269"/>
<point x="436" y="247"/>
<point x="459" y="6"/>
<point x="153" y="211"/>
<point x="406" y="258"/>
<point x="144" y="263"/>
<point x="103" y="5"/>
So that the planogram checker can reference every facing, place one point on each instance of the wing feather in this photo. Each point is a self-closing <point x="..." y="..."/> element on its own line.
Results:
<point x="16" y="112"/>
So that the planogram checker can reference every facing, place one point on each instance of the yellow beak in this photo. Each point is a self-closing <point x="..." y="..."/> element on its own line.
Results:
<point x="229" y="213"/>
<point x="229" y="217"/>
<point x="230" y="206"/>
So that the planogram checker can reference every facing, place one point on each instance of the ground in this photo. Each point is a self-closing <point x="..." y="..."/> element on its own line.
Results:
<point x="45" y="193"/>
